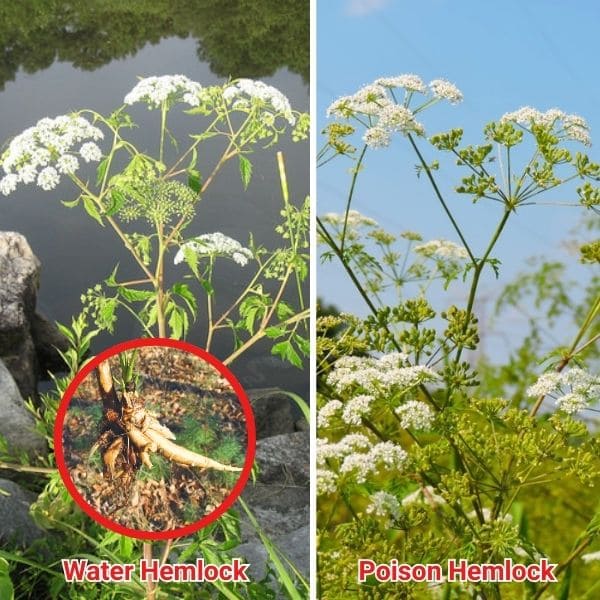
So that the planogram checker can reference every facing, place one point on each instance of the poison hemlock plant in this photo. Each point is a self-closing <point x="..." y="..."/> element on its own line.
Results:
<point x="423" y="454"/>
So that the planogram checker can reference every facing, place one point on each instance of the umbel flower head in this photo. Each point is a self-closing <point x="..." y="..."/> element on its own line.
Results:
<point x="573" y="390"/>
<point x="386" y="113"/>
<point x="243" y="93"/>
<point x="215" y="244"/>
<point x="154" y="91"/>
<point x="49" y="149"/>
<point x="566" y="126"/>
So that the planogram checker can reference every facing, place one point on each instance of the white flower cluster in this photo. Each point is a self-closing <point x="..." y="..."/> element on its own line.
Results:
<point x="242" y="92"/>
<point x="326" y="481"/>
<point x="385" y="454"/>
<point x="215" y="244"/>
<point x="48" y="149"/>
<point x="356" y="408"/>
<point x="339" y="450"/>
<point x="444" y="90"/>
<point x="357" y="456"/>
<point x="573" y="390"/>
<point x="377" y="102"/>
<point x="442" y="249"/>
<point x="590" y="556"/>
<point x="384" y="505"/>
<point x="410" y="82"/>
<point x="327" y="411"/>
<point x="424" y="495"/>
<point x="378" y="375"/>
<point x="355" y="219"/>
<point x="156" y="90"/>
<point x="415" y="415"/>
<point x="570" y="126"/>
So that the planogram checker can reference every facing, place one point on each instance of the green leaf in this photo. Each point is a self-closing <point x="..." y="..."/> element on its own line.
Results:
<point x="183" y="291"/>
<point x="71" y="203"/>
<point x="274" y="332"/>
<point x="194" y="180"/>
<point x="284" y="310"/>
<point x="300" y="402"/>
<point x="91" y="209"/>
<point x="117" y="199"/>
<point x="178" y="322"/>
<point x="565" y="587"/>
<point x="287" y="352"/>
<point x="133" y="295"/>
<point x="101" y="170"/>
<point x="6" y="587"/>
<point x="245" y="171"/>
<point x="126" y="547"/>
<point x="111" y="281"/>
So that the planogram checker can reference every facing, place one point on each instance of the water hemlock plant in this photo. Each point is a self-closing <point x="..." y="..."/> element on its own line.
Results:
<point x="425" y="452"/>
<point x="149" y="200"/>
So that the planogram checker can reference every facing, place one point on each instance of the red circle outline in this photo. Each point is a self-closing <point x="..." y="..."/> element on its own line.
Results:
<point x="169" y="533"/>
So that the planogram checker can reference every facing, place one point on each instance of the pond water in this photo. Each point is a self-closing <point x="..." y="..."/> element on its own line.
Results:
<point x="69" y="55"/>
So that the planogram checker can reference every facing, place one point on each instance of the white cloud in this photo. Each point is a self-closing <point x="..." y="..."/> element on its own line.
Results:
<point x="360" y="8"/>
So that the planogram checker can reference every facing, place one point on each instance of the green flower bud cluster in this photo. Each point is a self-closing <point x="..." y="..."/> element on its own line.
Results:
<point x="462" y="328"/>
<point x="158" y="202"/>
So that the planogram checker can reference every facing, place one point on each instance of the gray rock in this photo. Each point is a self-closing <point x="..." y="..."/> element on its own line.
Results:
<point x="19" y="273"/>
<point x="17" y="528"/>
<point x="274" y="412"/>
<point x="284" y="459"/>
<point x="280" y="501"/>
<point x="17" y="425"/>
<point x="28" y="341"/>
<point x="19" y="270"/>
<point x="48" y="340"/>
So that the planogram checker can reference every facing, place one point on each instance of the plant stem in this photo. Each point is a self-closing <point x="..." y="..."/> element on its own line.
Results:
<point x="355" y="173"/>
<point x="163" y="126"/>
<point x="479" y="266"/>
<point x="441" y="198"/>
<point x="159" y="283"/>
<point x="150" y="585"/>
<point x="26" y="468"/>
<point x="305" y="314"/>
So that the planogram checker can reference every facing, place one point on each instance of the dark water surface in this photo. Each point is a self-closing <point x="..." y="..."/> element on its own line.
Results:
<point x="43" y="75"/>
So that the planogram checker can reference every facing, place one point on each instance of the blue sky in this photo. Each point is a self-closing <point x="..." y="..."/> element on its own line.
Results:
<point x="502" y="55"/>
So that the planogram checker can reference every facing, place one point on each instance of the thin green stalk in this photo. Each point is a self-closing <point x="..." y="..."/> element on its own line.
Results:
<point x="159" y="283"/>
<point x="441" y="198"/>
<point x="209" y="307"/>
<point x="479" y="266"/>
<point x="356" y="170"/>
<point x="261" y="333"/>
<point x="163" y="126"/>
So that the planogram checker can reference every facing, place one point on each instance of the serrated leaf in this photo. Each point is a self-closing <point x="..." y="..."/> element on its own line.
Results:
<point x="111" y="281"/>
<point x="177" y="323"/>
<point x="245" y="171"/>
<point x="287" y="352"/>
<point x="284" y="310"/>
<point x="183" y="291"/>
<point x="133" y="295"/>
<point x="275" y="332"/>
<point x="91" y="209"/>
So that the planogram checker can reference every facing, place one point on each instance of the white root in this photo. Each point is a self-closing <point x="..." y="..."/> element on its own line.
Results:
<point x="183" y="456"/>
